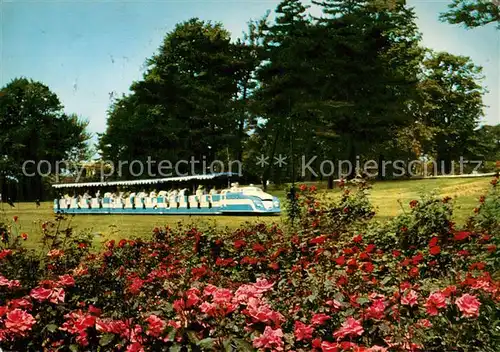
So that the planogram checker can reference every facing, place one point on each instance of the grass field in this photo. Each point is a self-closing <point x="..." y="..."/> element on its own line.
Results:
<point x="386" y="196"/>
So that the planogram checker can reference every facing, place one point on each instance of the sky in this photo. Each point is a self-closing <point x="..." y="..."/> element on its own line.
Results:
<point x="88" y="51"/>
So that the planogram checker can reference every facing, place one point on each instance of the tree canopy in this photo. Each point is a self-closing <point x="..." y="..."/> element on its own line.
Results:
<point x="34" y="127"/>
<point x="353" y="82"/>
<point x="188" y="102"/>
<point x="473" y="13"/>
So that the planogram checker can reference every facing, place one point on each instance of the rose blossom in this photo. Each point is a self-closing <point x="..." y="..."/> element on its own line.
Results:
<point x="66" y="280"/>
<point x="468" y="305"/>
<point x="40" y="293"/>
<point x="350" y="327"/>
<point x="376" y="310"/>
<point x="272" y="339"/>
<point x="302" y="331"/>
<point x="319" y="319"/>
<point x="156" y="325"/>
<point x="410" y="299"/>
<point x="329" y="347"/>
<point x="19" y="321"/>
<point x="57" y="295"/>
<point x="434" y="301"/>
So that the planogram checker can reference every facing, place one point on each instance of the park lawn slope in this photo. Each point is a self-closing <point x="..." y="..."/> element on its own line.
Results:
<point x="389" y="198"/>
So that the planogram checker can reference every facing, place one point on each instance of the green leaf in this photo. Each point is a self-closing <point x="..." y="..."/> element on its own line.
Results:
<point x="73" y="348"/>
<point x="192" y="337"/>
<point x="171" y="333"/>
<point x="206" y="343"/>
<point x="362" y="300"/>
<point x="51" y="327"/>
<point x="106" y="339"/>
<point x="228" y="346"/>
<point x="242" y="345"/>
<point x="386" y="280"/>
<point x="175" y="348"/>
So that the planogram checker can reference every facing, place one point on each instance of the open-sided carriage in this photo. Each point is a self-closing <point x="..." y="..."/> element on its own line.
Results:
<point x="186" y="195"/>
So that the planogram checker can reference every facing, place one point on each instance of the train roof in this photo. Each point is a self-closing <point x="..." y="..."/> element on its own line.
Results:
<point x="150" y="181"/>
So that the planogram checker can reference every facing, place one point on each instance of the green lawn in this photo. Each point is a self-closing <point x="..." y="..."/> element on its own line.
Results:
<point x="386" y="196"/>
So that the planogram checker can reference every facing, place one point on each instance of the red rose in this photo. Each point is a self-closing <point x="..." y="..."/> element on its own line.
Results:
<point x="156" y="325"/>
<point x="40" y="293"/>
<point x="460" y="236"/>
<point x="66" y="280"/>
<point x="414" y="272"/>
<point x="19" y="322"/>
<point x="396" y="253"/>
<point x="257" y="247"/>
<point x="302" y="331"/>
<point x="435" y="250"/>
<point x="435" y="301"/>
<point x="318" y="240"/>
<point x="433" y="242"/>
<point x="357" y="239"/>
<point x="410" y="298"/>
<point x="239" y="244"/>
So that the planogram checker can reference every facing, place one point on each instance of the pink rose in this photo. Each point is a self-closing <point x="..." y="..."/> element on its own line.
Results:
<point x="468" y="305"/>
<point x="349" y="328"/>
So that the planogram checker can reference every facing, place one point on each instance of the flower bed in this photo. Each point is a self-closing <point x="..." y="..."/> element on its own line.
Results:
<point x="332" y="281"/>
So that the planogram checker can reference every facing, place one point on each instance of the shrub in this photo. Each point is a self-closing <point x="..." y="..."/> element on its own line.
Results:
<point x="323" y="285"/>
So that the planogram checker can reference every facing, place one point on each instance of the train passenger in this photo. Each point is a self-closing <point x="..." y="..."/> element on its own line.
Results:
<point x="173" y="194"/>
<point x="99" y="199"/>
<point x="111" y="198"/>
<point x="87" y="199"/>
<point x="67" y="199"/>
<point x="121" y="199"/>
<point x="77" y="198"/>
<point x="142" y="197"/>
<point x="200" y="191"/>
<point x="132" y="199"/>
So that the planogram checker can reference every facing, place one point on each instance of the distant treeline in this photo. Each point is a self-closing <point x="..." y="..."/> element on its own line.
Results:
<point x="354" y="83"/>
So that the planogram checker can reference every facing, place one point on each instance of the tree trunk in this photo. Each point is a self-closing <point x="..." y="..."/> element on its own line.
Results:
<point x="241" y="126"/>
<point x="444" y="164"/>
<point x="267" y="171"/>
<point x="330" y="182"/>
<point x="352" y="158"/>
<point x="381" y="171"/>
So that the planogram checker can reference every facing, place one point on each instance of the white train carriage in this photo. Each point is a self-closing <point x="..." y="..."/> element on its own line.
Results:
<point x="234" y="200"/>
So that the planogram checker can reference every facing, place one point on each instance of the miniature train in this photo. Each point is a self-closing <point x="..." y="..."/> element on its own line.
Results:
<point x="234" y="200"/>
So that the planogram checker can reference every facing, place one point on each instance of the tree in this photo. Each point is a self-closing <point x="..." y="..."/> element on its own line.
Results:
<point x="452" y="104"/>
<point x="186" y="105"/>
<point x="286" y="94"/>
<point x="248" y="55"/>
<point x="370" y="64"/>
<point x="487" y="143"/>
<point x="473" y="13"/>
<point x="33" y="127"/>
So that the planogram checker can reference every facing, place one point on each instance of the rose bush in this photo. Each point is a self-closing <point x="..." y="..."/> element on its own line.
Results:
<point x="331" y="282"/>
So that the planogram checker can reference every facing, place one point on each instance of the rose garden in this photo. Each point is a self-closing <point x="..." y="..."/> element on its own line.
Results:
<point x="333" y="279"/>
